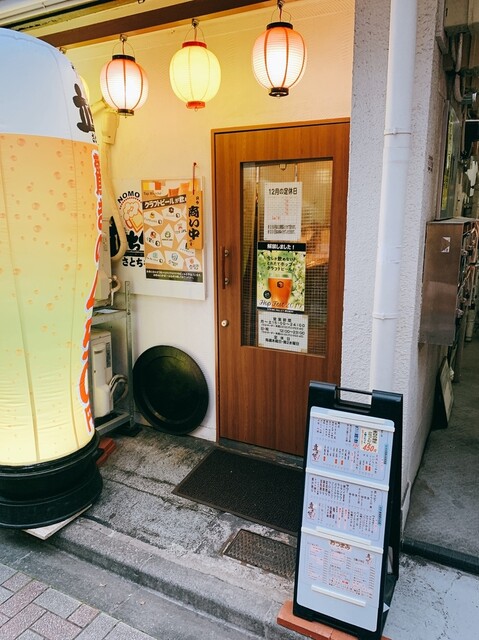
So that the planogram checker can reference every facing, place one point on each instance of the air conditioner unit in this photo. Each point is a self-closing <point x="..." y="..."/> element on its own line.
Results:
<point x="101" y="372"/>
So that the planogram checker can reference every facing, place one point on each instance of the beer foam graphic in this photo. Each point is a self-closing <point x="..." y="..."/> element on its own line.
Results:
<point x="47" y="256"/>
<point x="50" y="213"/>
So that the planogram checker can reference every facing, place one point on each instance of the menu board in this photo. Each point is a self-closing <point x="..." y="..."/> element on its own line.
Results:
<point x="341" y="579"/>
<point x="347" y="507"/>
<point x="347" y="474"/>
<point x="356" y="446"/>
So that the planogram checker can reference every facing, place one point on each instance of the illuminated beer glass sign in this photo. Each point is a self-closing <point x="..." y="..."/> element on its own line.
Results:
<point x="50" y="222"/>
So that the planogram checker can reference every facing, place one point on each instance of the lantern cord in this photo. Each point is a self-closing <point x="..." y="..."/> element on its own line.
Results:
<point x="280" y="8"/>
<point x="123" y="40"/>
<point x="194" y="168"/>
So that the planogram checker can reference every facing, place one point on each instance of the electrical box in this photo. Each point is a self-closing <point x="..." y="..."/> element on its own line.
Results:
<point x="461" y="16"/>
<point x="455" y="16"/>
<point x="101" y="372"/>
<point x="448" y="280"/>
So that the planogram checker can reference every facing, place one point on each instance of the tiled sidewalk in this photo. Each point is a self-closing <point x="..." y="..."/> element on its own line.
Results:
<point x="31" y="610"/>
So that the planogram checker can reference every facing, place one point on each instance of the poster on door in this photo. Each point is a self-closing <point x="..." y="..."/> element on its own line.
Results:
<point x="172" y="236"/>
<point x="282" y="211"/>
<point x="281" y="276"/>
<point x="288" y="332"/>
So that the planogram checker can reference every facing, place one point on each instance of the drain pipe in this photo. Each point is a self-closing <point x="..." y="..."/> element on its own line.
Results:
<point x="397" y="137"/>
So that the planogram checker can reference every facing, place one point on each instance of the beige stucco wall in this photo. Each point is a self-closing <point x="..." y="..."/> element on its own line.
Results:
<point x="415" y="365"/>
<point x="164" y="139"/>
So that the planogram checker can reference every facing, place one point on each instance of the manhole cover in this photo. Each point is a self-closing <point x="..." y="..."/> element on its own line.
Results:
<point x="267" y="554"/>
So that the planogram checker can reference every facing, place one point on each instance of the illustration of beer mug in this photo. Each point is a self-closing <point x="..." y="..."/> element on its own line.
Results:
<point x="279" y="286"/>
<point x="50" y="223"/>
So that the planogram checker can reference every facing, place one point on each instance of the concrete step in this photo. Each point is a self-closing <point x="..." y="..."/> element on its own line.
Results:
<point x="131" y="581"/>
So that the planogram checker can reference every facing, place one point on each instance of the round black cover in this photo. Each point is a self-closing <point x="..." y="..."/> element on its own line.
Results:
<point x="170" y="390"/>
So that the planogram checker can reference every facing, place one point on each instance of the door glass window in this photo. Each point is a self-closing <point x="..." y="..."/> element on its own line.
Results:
<point x="286" y="218"/>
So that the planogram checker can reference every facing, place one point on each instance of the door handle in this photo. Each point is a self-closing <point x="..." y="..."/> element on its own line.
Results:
<point x="224" y="279"/>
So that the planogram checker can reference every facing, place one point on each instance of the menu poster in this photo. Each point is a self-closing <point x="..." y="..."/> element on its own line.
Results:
<point x="348" y="544"/>
<point x="355" y="446"/>
<point x="173" y="239"/>
<point x="143" y="225"/>
<point x="340" y="578"/>
<point x="347" y="507"/>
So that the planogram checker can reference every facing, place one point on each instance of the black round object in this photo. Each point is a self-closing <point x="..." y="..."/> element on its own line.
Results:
<point x="39" y="495"/>
<point x="170" y="390"/>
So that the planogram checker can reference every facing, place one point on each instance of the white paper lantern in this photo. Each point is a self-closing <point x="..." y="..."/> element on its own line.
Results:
<point x="279" y="58"/>
<point x="123" y="83"/>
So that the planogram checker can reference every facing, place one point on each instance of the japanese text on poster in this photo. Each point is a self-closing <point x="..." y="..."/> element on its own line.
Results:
<point x="194" y="208"/>
<point x="281" y="276"/>
<point x="336" y="566"/>
<point x="345" y="507"/>
<point x="131" y="215"/>
<point x="282" y="211"/>
<point x="354" y="447"/>
<point x="288" y="332"/>
<point x="168" y="254"/>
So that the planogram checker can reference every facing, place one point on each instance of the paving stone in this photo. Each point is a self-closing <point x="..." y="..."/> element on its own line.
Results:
<point x="4" y="594"/>
<point x="53" y="627"/>
<point x="20" y="623"/>
<point x="3" y="619"/>
<point x="5" y="573"/>
<point x="83" y="615"/>
<point x="124" y="632"/>
<point x="29" y="635"/>
<point x="17" y="581"/>
<point x="57" y="602"/>
<point x="22" y="598"/>
<point x="98" y="629"/>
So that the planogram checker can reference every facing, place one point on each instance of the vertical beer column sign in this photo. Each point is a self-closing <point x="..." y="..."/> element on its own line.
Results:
<point x="50" y="223"/>
<point x="350" y="494"/>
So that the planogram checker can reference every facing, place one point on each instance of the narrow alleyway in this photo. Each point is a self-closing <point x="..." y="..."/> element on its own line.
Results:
<point x="443" y="521"/>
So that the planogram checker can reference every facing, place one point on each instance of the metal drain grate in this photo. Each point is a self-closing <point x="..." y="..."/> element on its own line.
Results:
<point x="271" y="555"/>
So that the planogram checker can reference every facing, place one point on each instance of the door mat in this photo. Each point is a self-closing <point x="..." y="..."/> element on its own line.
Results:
<point x="265" y="553"/>
<point x="264" y="492"/>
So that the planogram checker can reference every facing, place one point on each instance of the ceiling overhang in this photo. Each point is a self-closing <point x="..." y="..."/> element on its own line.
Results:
<point x="135" y="22"/>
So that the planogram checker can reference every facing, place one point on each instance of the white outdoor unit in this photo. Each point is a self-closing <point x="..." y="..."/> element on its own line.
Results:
<point x="101" y="372"/>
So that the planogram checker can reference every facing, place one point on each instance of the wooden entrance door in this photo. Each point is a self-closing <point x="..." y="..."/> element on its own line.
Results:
<point x="280" y="217"/>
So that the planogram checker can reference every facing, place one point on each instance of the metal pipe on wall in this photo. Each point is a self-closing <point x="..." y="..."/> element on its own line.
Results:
<point x="396" y="152"/>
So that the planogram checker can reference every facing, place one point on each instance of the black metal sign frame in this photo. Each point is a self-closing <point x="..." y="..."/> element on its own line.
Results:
<point x="387" y="408"/>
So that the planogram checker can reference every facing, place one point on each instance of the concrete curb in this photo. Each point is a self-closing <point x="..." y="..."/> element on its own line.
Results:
<point x="147" y="566"/>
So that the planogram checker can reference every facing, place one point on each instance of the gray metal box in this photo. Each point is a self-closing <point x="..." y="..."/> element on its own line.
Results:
<point x="449" y="265"/>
